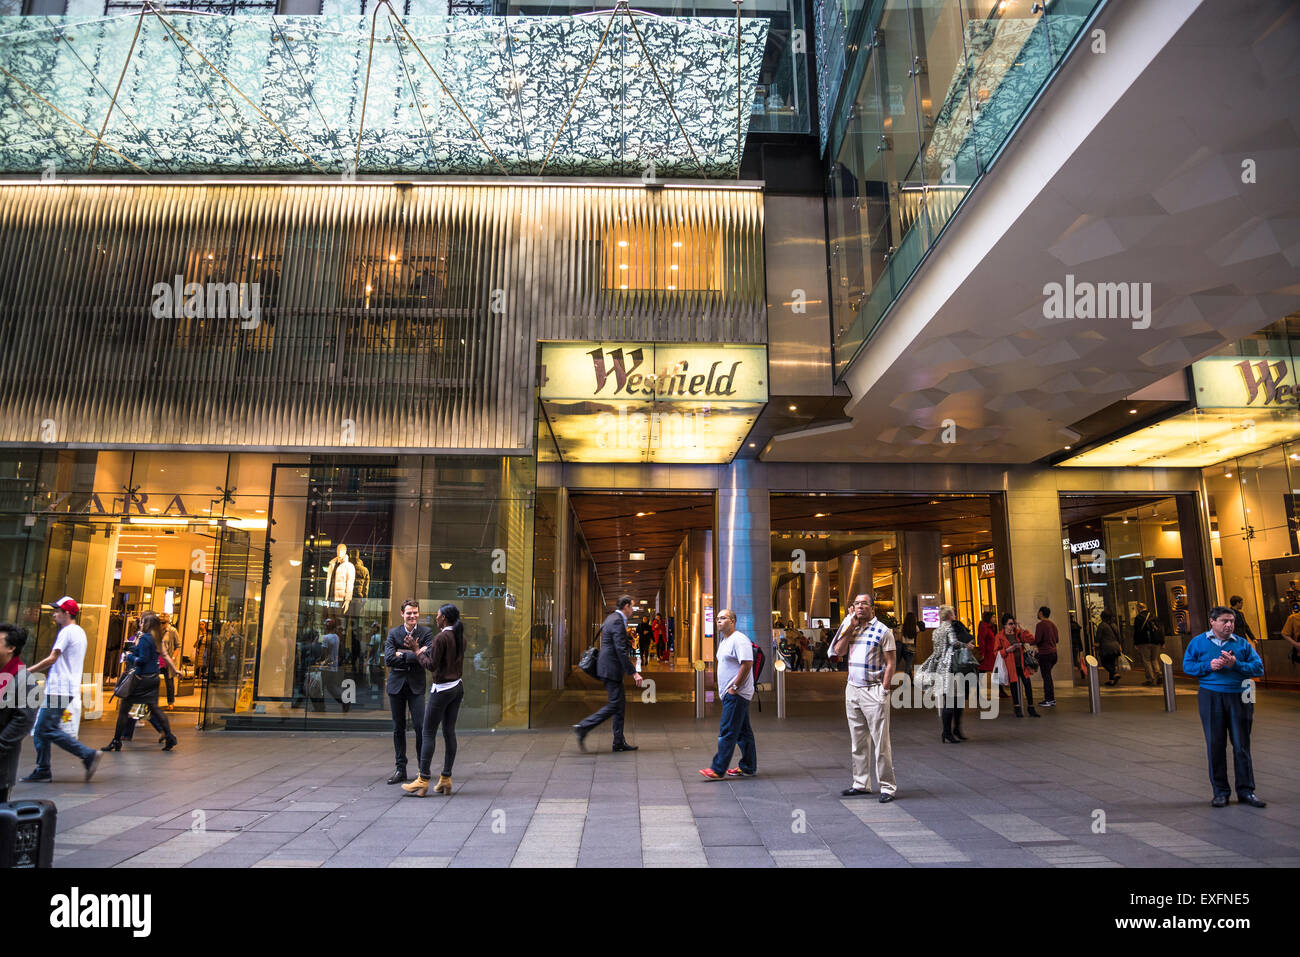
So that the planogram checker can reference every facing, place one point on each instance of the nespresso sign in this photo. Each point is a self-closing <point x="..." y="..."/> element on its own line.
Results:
<point x="648" y="372"/>
<point x="1235" y="382"/>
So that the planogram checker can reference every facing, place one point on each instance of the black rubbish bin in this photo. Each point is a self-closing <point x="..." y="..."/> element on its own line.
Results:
<point x="27" y="833"/>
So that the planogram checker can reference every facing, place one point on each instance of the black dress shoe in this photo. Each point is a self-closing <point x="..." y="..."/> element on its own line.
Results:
<point x="1220" y="800"/>
<point x="854" y="792"/>
<point x="397" y="777"/>
<point x="581" y="732"/>
<point x="1251" y="800"/>
<point x="886" y="797"/>
<point x="624" y="746"/>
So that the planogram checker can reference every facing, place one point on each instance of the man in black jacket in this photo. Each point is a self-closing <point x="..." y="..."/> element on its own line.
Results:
<point x="612" y="664"/>
<point x="1148" y="640"/>
<point x="406" y="682"/>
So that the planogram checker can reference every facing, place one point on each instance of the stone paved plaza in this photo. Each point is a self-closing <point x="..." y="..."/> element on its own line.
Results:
<point x="1019" y="793"/>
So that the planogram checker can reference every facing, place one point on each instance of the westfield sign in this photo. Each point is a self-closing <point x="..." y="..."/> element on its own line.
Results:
<point x="677" y="381"/>
<point x="1235" y="382"/>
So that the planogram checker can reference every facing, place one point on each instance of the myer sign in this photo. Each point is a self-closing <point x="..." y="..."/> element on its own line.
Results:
<point x="647" y="372"/>
<point x="1237" y="382"/>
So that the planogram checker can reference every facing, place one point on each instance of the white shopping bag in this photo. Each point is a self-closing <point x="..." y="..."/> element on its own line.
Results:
<point x="1000" y="671"/>
<point x="70" y="723"/>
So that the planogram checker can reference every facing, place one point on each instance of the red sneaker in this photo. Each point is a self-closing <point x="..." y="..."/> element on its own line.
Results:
<point x="737" y="773"/>
<point x="711" y="774"/>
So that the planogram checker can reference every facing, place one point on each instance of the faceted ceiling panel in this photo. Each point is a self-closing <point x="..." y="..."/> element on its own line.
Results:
<point x="609" y="93"/>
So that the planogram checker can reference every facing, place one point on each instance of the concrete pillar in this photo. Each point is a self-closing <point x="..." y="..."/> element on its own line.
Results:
<point x="560" y="617"/>
<point x="702" y="597"/>
<point x="920" y="563"/>
<point x="1197" y="563"/>
<point x="744" y="528"/>
<point x="818" y="589"/>
<point x="855" y="577"/>
<point x="1027" y="548"/>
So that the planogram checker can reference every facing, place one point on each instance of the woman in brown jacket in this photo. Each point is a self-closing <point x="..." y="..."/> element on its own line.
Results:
<point x="444" y="657"/>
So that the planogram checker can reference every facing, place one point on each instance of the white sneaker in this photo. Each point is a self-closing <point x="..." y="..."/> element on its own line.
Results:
<point x="1047" y="704"/>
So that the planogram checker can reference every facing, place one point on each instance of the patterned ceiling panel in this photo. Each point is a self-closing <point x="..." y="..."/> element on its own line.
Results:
<point x="445" y="95"/>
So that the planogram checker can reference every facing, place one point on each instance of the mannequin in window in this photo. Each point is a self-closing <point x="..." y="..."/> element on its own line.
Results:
<point x="340" y="578"/>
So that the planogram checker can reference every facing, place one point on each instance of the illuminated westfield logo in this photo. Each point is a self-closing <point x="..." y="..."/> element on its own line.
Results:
<point x="1268" y="378"/>
<point x="677" y="380"/>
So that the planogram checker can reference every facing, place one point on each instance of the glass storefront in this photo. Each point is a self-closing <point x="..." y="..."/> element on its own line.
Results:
<point x="281" y="574"/>
<point x="1122" y="556"/>
<point x="1255" y="537"/>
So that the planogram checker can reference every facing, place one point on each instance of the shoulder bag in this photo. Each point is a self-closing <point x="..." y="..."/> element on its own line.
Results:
<point x="126" y="684"/>
<point x="589" y="660"/>
<point x="964" y="661"/>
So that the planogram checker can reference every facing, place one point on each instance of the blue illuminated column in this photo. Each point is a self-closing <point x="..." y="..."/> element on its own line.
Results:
<point x="744" y="553"/>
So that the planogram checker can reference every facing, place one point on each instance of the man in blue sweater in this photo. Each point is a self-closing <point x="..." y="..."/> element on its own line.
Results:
<point x="1224" y="662"/>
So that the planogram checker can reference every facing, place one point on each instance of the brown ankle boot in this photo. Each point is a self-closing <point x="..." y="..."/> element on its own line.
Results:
<point x="419" y="787"/>
<point x="444" y="784"/>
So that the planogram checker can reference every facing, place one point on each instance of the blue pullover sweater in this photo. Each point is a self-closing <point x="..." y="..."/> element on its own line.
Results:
<point x="1203" y="649"/>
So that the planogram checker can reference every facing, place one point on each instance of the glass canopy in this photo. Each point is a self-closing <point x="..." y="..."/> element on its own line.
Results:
<point x="610" y="93"/>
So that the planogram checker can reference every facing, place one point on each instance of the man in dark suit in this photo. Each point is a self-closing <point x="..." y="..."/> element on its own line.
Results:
<point x="406" y="682"/>
<point x="612" y="664"/>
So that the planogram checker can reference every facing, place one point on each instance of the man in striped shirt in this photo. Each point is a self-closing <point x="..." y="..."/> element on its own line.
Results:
<point x="869" y="645"/>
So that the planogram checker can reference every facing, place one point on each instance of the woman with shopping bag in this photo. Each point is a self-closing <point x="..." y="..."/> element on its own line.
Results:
<point x="1009" y="646"/>
<point x="140" y="683"/>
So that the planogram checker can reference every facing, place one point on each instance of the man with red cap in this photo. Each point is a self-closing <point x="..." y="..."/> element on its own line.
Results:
<point x="62" y="687"/>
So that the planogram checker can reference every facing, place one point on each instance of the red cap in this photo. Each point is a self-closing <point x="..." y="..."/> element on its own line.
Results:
<point x="66" y="603"/>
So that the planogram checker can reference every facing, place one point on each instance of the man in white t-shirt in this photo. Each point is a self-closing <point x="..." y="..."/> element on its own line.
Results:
<point x="735" y="664"/>
<point x="62" y="687"/>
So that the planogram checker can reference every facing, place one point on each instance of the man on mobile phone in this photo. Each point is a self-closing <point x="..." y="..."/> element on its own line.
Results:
<point x="1225" y="662"/>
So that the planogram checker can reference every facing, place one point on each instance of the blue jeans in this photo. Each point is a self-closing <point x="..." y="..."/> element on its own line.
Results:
<point x="735" y="727"/>
<point x="48" y="732"/>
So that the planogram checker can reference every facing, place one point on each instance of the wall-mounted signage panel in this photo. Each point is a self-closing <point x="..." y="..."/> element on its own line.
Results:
<point x="1239" y="382"/>
<point x="642" y="402"/>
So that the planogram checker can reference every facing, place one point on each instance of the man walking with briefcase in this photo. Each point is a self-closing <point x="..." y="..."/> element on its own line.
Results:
<point x="613" y="663"/>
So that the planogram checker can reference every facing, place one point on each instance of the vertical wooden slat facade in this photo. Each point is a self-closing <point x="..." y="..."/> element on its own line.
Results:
<point x="411" y="312"/>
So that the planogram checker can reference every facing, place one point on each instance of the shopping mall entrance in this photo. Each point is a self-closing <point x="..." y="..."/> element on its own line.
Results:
<point x="914" y="552"/>
<point x="590" y="548"/>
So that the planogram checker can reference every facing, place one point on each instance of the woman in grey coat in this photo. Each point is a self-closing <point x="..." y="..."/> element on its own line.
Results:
<point x="1108" y="646"/>
<point x="938" y="669"/>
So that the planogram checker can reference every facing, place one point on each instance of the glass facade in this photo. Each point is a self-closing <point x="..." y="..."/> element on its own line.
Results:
<point x="281" y="575"/>
<point x="937" y="87"/>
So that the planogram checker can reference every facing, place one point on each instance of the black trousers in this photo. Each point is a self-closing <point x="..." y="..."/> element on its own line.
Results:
<point x="406" y="700"/>
<point x="1028" y="685"/>
<point x="443" y="709"/>
<point x="1045" y="665"/>
<point x="169" y="679"/>
<point x="147" y="694"/>
<point x="1225" y="717"/>
<point x="614" y="709"/>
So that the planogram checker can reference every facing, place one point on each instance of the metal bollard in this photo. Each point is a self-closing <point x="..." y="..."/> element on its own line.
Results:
<point x="780" y="688"/>
<point x="1094" y="685"/>
<point x="1171" y="696"/>
<point x="699" y="689"/>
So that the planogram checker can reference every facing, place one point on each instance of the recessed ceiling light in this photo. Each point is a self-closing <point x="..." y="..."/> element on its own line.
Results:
<point x="1068" y="447"/>
<point x="392" y="257"/>
<point x="822" y="515"/>
<point x="793" y="407"/>
<point x="624" y="286"/>
<point x="636" y="556"/>
<point x="622" y="265"/>
<point x="622" y="242"/>
<point x="673" y="267"/>
<point x="643" y="514"/>
<point x="672" y="287"/>
<point x="754" y="445"/>
<point x="446" y="566"/>
<point x="1132" y="411"/>
<point x="677" y="244"/>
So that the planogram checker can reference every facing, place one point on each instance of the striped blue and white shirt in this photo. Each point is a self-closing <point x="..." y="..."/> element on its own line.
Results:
<point x="867" y="651"/>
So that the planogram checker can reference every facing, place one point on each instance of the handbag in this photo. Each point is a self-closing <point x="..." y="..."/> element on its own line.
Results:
<point x="313" y="686"/>
<point x="1125" y="663"/>
<point x="589" y="660"/>
<point x="1031" y="660"/>
<point x="964" y="662"/>
<point x="126" y="684"/>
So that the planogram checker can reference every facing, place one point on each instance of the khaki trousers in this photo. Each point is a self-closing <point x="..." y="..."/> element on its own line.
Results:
<point x="1150" y="655"/>
<point x="868" y="713"/>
